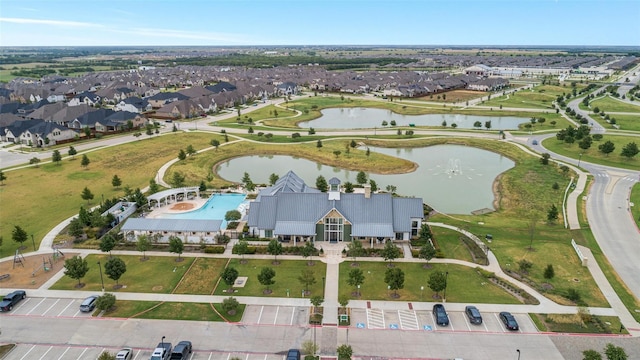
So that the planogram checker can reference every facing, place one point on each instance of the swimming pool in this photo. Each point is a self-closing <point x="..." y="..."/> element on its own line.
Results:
<point x="214" y="209"/>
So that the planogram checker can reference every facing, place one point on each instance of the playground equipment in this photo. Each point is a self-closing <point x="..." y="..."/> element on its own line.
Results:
<point x="47" y="264"/>
<point x="18" y="258"/>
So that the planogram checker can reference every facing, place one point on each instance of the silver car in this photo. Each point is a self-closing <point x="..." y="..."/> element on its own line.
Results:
<point x="89" y="303"/>
<point x="124" y="354"/>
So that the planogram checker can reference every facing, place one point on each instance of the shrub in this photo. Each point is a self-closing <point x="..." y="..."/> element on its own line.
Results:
<point x="230" y="305"/>
<point x="215" y="249"/>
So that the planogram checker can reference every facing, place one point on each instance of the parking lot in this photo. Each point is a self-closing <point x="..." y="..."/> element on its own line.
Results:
<point x="423" y="320"/>
<point x="47" y="352"/>
<point x="276" y="315"/>
<point x="50" y="307"/>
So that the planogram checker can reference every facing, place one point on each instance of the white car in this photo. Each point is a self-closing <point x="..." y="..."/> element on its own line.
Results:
<point x="124" y="354"/>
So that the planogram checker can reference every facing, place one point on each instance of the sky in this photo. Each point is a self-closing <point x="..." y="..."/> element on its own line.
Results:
<point x="319" y="22"/>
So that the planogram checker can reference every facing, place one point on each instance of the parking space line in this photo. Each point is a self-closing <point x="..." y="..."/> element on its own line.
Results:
<point x="451" y="323"/>
<point x="25" y="355"/>
<point x="260" y="316"/>
<point x="210" y="355"/>
<point x="77" y="313"/>
<point x="408" y="319"/>
<point x="66" y="307"/>
<point x="246" y="357"/>
<point x="61" y="356"/>
<point x="499" y="322"/>
<point x="50" y="307"/>
<point x="138" y="353"/>
<point x="375" y="318"/>
<point x="85" y="350"/>
<point x="46" y="352"/>
<point x="466" y="321"/>
<point x="293" y="312"/>
<point x="275" y="318"/>
<point x="35" y="307"/>
<point x="485" y="326"/>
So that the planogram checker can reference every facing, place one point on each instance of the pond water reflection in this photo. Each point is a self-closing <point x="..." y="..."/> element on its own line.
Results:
<point x="451" y="178"/>
<point x="359" y="118"/>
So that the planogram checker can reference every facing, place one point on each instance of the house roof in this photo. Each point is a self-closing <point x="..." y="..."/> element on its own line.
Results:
<point x="290" y="182"/>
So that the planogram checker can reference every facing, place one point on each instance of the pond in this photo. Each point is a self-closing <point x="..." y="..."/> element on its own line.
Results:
<point x="365" y="118"/>
<point x="452" y="179"/>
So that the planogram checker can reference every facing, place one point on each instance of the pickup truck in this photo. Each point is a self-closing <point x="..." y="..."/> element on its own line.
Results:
<point x="11" y="299"/>
<point x="162" y="351"/>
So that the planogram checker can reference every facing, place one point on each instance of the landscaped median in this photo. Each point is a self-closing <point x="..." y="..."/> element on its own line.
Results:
<point x="173" y="311"/>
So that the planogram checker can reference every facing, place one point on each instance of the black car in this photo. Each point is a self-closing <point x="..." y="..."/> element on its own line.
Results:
<point x="440" y="314"/>
<point x="509" y="321"/>
<point x="473" y="314"/>
<point x="10" y="300"/>
<point x="182" y="350"/>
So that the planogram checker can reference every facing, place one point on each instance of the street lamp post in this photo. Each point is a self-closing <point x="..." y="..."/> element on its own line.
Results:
<point x="518" y="350"/>
<point x="33" y="242"/>
<point x="162" y="342"/>
<point x="446" y="282"/>
<point x="358" y="290"/>
<point x="579" y="159"/>
<point x="421" y="292"/>
<point x="101" y="280"/>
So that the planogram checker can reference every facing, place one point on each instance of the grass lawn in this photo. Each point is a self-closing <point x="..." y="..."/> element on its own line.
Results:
<point x="464" y="284"/>
<point x="611" y="105"/>
<point x="201" y="278"/>
<point x="287" y="273"/>
<point x="624" y="122"/>
<point x="635" y="199"/>
<point x="450" y="244"/>
<point x="166" y="275"/>
<point x="31" y="209"/>
<point x="456" y="96"/>
<point x="594" y="155"/>
<point x="572" y="323"/>
<point x="541" y="96"/>
<point x="172" y="311"/>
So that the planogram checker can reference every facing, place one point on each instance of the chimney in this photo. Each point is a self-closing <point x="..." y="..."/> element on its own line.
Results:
<point x="367" y="191"/>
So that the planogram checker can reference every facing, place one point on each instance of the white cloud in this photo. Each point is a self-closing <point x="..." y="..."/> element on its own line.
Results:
<point x="48" y="22"/>
<point x="181" y="34"/>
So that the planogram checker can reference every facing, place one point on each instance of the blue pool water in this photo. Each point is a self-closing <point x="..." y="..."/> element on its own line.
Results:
<point x="214" y="209"/>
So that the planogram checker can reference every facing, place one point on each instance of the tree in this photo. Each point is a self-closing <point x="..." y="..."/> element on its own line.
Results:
<point x="191" y="150"/>
<point x="591" y="355"/>
<point x="391" y="188"/>
<point x="273" y="178"/>
<point x="182" y="155"/>
<point x="353" y="144"/>
<point x="524" y="266"/>
<point x="56" y="157"/>
<point x="308" y="250"/>
<point x="274" y="248"/>
<point x="337" y="153"/>
<point x="427" y="252"/>
<point x="153" y="187"/>
<point x="34" y="161"/>
<point x="76" y="268"/>
<point x="361" y="178"/>
<point x="394" y="277"/>
<point x="552" y="214"/>
<point x="115" y="268"/>
<point x="356" y="278"/>
<point x="86" y="194"/>
<point x="3" y="177"/>
<point x="319" y="144"/>
<point x="76" y="229"/>
<point x="232" y="215"/>
<point x="176" y="246"/>
<point x="106" y="301"/>
<point x="229" y="276"/>
<point x="72" y="152"/>
<point x="425" y="232"/>
<point x="316" y="301"/>
<point x="437" y="281"/>
<point x="230" y="305"/>
<point x="355" y="249"/>
<point x="19" y="235"/>
<point x="85" y="161"/>
<point x="202" y="187"/>
<point x="630" y="150"/>
<point x="107" y="243"/>
<point x="544" y="160"/>
<point x="549" y="273"/>
<point x="215" y="143"/>
<point x="116" y="182"/>
<point x="344" y="352"/>
<point x="477" y="124"/>
<point x="241" y="248"/>
<point x="487" y="124"/>
<point x="348" y="187"/>
<point x="250" y="130"/>
<point x="615" y="352"/>
<point x="246" y="180"/>
<point x="177" y="179"/>
<point x="607" y="147"/>
<point x="307" y="278"/>
<point x="266" y="278"/>
<point x="374" y="185"/>
<point x="222" y="239"/>
<point x="390" y="251"/>
<point x="321" y="184"/>
<point x="143" y="245"/>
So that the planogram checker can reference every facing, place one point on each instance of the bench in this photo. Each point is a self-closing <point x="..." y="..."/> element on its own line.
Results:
<point x="4" y="276"/>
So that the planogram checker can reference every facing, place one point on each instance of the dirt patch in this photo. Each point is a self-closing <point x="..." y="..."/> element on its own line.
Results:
<point x="32" y="275"/>
<point x="182" y="207"/>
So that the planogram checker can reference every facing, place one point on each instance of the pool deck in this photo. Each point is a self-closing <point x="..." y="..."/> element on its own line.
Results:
<point x="197" y="203"/>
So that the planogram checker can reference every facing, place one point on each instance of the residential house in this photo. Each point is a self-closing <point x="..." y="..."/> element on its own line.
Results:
<point x="119" y="121"/>
<point x="161" y="99"/>
<point x="133" y="104"/>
